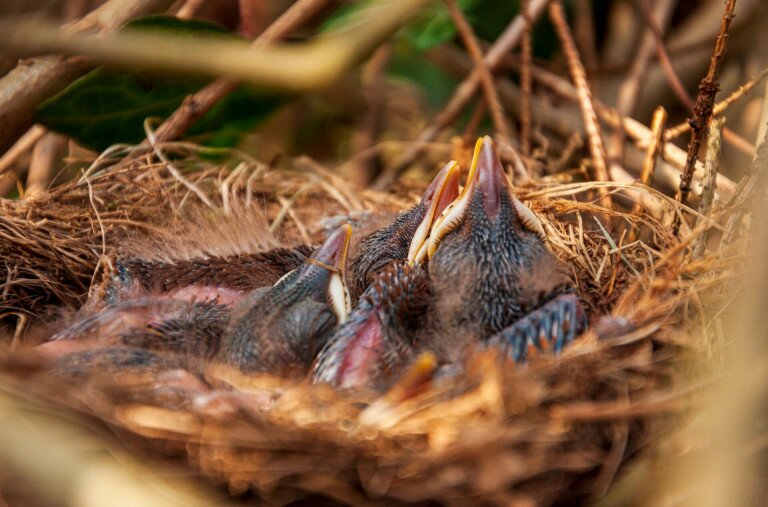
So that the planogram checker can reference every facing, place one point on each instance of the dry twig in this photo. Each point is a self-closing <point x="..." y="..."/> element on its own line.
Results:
<point x="708" y="181"/>
<point x="464" y="92"/>
<point x="705" y="101"/>
<point x="586" y="105"/>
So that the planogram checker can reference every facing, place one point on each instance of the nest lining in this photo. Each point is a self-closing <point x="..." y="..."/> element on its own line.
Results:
<point x="556" y="429"/>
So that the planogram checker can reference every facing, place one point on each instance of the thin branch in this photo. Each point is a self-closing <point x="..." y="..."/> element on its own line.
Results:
<point x="22" y="145"/>
<point x="198" y="104"/>
<point x="561" y="121"/>
<point x="708" y="182"/>
<point x="464" y="92"/>
<point x="705" y="101"/>
<point x="293" y="67"/>
<point x="364" y="136"/>
<point x="579" y="77"/>
<point x="31" y="82"/>
<point x="526" y="52"/>
<point x="681" y="128"/>
<point x="630" y="88"/>
<point x="469" y="39"/>
<point x="635" y="130"/>
<point x="651" y="156"/>
<point x="45" y="155"/>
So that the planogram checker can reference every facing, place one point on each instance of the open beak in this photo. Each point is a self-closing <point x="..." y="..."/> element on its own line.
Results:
<point x="486" y="175"/>
<point x="438" y="196"/>
<point x="328" y="265"/>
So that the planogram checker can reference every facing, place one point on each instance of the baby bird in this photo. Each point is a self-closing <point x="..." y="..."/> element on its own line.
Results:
<point x="406" y="237"/>
<point x="280" y="329"/>
<point x="381" y="335"/>
<point x="493" y="277"/>
<point x="490" y="280"/>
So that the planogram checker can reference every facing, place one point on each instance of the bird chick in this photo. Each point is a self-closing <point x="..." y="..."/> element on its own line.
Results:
<point x="406" y="238"/>
<point x="224" y="279"/>
<point x="188" y="329"/>
<point x="490" y="268"/>
<point x="382" y="333"/>
<point x="281" y="329"/>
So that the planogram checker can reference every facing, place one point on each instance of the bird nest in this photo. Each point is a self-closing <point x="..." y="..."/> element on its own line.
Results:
<point x="556" y="429"/>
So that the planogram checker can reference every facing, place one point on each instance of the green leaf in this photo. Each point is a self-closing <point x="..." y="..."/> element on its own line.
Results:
<point x="106" y="107"/>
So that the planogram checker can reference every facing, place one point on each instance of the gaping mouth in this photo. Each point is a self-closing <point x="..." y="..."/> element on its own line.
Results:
<point x="440" y="193"/>
<point x="486" y="175"/>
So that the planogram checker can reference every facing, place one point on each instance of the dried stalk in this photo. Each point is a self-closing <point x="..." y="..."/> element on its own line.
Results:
<point x="579" y="76"/>
<point x="705" y="101"/>
<point x="708" y="181"/>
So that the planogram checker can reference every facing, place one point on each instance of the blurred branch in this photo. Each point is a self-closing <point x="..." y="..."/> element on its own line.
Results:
<point x="21" y="146"/>
<point x="198" y="104"/>
<point x="469" y="39"/>
<point x="33" y="81"/>
<point x="295" y="67"/>
<point x="630" y="88"/>
<point x="526" y="55"/>
<point x="464" y="91"/>
<point x="48" y="150"/>
<point x="705" y="101"/>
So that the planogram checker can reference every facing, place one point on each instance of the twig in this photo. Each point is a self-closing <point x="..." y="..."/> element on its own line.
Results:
<point x="630" y="88"/>
<point x="708" y="181"/>
<point x="705" y="101"/>
<point x="22" y="145"/>
<point x="469" y="39"/>
<point x="464" y="92"/>
<point x="31" y="82"/>
<point x="651" y="155"/>
<point x="198" y="104"/>
<point x="635" y="130"/>
<point x="654" y="146"/>
<point x="291" y="67"/>
<point x="589" y="117"/>
<point x="678" y="88"/>
<point x="681" y="128"/>
<point x="45" y="155"/>
<point x="526" y="51"/>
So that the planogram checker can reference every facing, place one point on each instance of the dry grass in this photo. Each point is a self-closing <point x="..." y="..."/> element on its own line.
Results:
<point x="553" y="430"/>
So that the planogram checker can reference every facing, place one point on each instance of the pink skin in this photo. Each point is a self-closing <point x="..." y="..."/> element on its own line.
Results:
<point x="201" y="293"/>
<point x="361" y="353"/>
